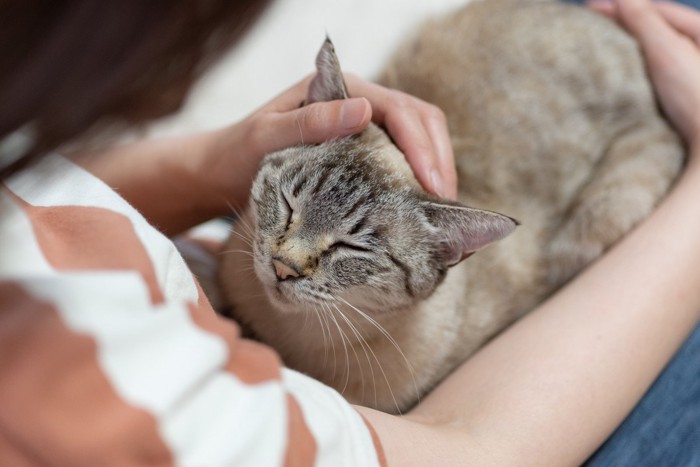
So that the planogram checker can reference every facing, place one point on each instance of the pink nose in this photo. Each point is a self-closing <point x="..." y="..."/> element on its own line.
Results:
<point x="283" y="270"/>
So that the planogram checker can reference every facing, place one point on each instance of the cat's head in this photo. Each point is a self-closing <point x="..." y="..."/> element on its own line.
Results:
<point x="346" y="220"/>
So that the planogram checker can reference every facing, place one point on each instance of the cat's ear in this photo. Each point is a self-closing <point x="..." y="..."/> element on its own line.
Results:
<point x="461" y="230"/>
<point x="328" y="84"/>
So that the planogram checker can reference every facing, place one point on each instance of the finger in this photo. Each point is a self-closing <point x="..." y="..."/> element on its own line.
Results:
<point x="604" y="7"/>
<point x="665" y="48"/>
<point x="646" y="24"/>
<point x="684" y="19"/>
<point x="673" y="62"/>
<point x="410" y="135"/>
<point x="407" y="131"/>
<point x="381" y="97"/>
<point x="421" y="136"/>
<point x="311" y="124"/>
<point x="436" y="127"/>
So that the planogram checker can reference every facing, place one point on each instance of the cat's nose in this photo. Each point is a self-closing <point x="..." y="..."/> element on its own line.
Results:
<point x="283" y="270"/>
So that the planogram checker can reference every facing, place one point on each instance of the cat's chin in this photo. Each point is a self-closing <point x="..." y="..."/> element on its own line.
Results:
<point x="286" y="303"/>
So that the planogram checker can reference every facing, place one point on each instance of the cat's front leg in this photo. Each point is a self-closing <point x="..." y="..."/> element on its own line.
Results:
<point x="634" y="174"/>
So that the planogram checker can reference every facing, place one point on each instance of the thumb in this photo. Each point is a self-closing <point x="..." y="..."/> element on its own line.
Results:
<point x="315" y="123"/>
<point x="654" y="34"/>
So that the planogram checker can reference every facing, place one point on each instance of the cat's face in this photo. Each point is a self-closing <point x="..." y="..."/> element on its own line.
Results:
<point x="332" y="225"/>
<point x="346" y="220"/>
<point x="327" y="229"/>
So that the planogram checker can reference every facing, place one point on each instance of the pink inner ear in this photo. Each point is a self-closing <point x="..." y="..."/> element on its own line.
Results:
<point x="322" y="89"/>
<point x="467" y="230"/>
<point x="465" y="256"/>
<point x="477" y="241"/>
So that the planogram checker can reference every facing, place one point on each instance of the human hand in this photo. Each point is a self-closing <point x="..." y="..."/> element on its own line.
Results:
<point x="669" y="35"/>
<point x="418" y="128"/>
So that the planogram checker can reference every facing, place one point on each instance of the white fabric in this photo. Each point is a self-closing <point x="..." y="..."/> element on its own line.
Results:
<point x="155" y="357"/>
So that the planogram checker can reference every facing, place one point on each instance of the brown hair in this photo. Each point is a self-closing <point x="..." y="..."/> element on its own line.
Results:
<point x="67" y="65"/>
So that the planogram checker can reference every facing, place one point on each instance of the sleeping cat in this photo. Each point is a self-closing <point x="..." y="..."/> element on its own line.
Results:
<point x="356" y="275"/>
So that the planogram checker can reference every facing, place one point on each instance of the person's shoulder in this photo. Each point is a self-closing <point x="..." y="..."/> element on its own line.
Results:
<point x="59" y="221"/>
<point x="57" y="181"/>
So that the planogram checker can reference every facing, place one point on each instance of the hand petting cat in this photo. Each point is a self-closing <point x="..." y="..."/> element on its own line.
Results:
<point x="669" y="35"/>
<point x="184" y="181"/>
<point x="417" y="127"/>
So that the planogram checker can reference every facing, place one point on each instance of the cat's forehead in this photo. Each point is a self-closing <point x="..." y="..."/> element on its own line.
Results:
<point x="345" y="153"/>
<point x="328" y="169"/>
<point x="333" y="184"/>
<point x="369" y="155"/>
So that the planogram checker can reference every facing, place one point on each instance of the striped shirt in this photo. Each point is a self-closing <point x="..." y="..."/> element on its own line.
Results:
<point x="110" y="354"/>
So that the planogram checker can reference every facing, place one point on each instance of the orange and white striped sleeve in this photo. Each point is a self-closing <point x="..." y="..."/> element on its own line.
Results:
<point x="111" y="355"/>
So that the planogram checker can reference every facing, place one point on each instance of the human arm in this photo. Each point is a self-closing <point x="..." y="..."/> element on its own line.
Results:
<point x="179" y="182"/>
<point x="550" y="389"/>
<point x="110" y="354"/>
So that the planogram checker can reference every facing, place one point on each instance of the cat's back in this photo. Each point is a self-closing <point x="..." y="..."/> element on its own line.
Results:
<point x="521" y="80"/>
<point x="553" y="122"/>
<point x="505" y="53"/>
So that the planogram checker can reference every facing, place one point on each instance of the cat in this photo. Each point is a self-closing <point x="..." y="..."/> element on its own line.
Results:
<point x="356" y="275"/>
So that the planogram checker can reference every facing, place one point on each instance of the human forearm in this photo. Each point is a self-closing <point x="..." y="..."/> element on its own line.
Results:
<point x="550" y="389"/>
<point x="163" y="179"/>
<point x="553" y="387"/>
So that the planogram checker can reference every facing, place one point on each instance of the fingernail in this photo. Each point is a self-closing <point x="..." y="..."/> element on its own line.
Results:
<point x="353" y="113"/>
<point x="436" y="180"/>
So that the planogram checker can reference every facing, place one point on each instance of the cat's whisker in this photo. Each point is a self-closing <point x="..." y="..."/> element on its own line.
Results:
<point x="393" y="342"/>
<point x="238" y="212"/>
<point x="245" y="226"/>
<point x="244" y="239"/>
<point x="354" y="331"/>
<point x="317" y="313"/>
<point x="249" y="268"/>
<point x="305" y="324"/>
<point x="248" y="240"/>
<point x="352" y="347"/>
<point x="379" y="327"/>
<point x="363" y="345"/>
<point x="324" y="319"/>
<point x="239" y="224"/>
<point x="241" y="218"/>
<point x="225" y="252"/>
<point x="347" y="355"/>
<point x="335" y="360"/>
<point x="386" y="378"/>
<point x="248" y="263"/>
<point x="357" y="359"/>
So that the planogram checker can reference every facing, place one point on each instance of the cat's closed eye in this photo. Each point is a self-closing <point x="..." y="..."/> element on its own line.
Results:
<point x="288" y="208"/>
<point x="348" y="246"/>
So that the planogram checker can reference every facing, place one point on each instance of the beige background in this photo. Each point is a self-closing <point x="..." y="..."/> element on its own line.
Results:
<point x="281" y="48"/>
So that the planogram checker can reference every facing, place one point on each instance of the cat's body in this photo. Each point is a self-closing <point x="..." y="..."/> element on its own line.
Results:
<point x="553" y="122"/>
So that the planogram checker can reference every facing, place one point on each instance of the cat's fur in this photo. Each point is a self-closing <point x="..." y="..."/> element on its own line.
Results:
<point x="553" y="122"/>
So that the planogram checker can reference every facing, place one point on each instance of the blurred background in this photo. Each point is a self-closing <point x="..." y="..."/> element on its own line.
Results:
<point x="281" y="48"/>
